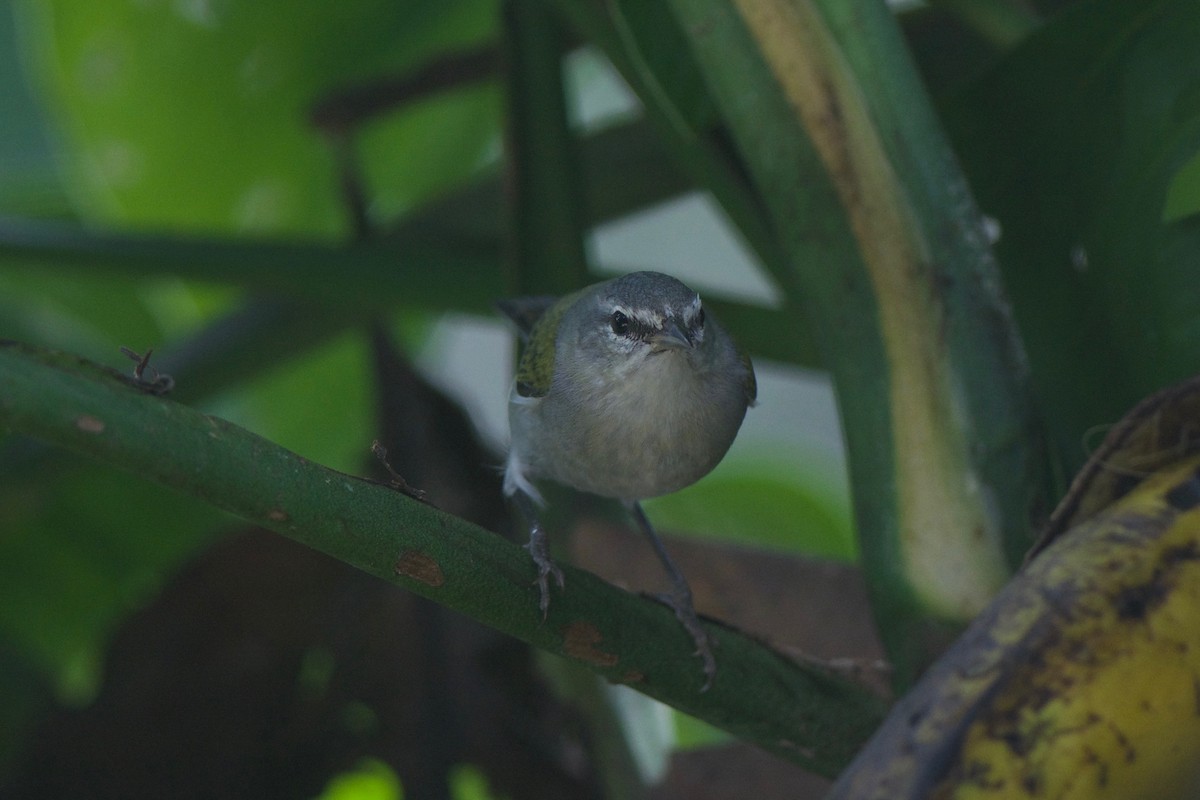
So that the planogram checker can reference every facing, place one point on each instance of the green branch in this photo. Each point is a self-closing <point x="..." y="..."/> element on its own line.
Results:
<point x="400" y="272"/>
<point x="409" y="271"/>
<point x="801" y="713"/>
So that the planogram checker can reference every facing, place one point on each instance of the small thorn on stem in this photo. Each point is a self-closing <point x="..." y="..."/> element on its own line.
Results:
<point x="395" y="479"/>
<point x="157" y="383"/>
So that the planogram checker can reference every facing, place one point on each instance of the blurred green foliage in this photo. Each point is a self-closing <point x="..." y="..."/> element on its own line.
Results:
<point x="193" y="118"/>
<point x="1082" y="147"/>
<point x="1081" y="142"/>
<point x="773" y="503"/>
<point x="187" y="117"/>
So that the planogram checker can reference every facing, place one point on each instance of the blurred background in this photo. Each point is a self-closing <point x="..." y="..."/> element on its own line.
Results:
<point x="306" y="209"/>
<point x="164" y="185"/>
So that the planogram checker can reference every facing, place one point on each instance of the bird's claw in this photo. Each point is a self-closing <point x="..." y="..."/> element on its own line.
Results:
<point x="546" y="569"/>
<point x="685" y="612"/>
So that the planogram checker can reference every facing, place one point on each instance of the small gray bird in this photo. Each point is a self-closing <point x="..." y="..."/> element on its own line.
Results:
<point x="626" y="389"/>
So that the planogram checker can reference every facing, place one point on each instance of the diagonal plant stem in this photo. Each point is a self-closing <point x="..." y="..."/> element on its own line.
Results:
<point x="886" y="250"/>
<point x="802" y="713"/>
<point x="446" y="256"/>
<point x="693" y="140"/>
<point x="435" y="277"/>
<point x="363" y="274"/>
<point x="347" y="108"/>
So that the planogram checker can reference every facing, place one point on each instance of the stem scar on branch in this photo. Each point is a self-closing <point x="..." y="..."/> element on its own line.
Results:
<point x="395" y="479"/>
<point x="154" y="382"/>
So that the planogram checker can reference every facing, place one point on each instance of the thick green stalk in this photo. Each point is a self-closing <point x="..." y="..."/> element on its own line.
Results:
<point x="799" y="712"/>
<point x="545" y="199"/>
<point x="888" y="253"/>
<point x="691" y="132"/>
<point x="547" y="256"/>
<point x="968" y="327"/>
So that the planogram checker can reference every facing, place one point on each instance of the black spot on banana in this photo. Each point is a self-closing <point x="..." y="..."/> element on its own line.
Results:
<point x="1082" y="678"/>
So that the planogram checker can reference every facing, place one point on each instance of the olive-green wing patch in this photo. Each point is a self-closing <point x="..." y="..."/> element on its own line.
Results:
<point x="536" y="368"/>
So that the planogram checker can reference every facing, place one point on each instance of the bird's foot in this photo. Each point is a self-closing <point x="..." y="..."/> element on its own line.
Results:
<point x="546" y="567"/>
<point x="680" y="598"/>
<point x="538" y="547"/>
<point x="685" y="612"/>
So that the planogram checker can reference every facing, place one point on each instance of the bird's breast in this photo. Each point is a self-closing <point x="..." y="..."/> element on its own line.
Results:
<point x="648" y="430"/>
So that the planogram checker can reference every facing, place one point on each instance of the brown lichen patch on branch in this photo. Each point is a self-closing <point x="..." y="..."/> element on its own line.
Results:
<point x="89" y="424"/>
<point x="420" y="567"/>
<point x="580" y="640"/>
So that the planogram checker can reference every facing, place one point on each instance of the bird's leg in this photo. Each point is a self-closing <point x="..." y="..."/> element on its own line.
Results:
<point x="680" y="598"/>
<point x="539" y="549"/>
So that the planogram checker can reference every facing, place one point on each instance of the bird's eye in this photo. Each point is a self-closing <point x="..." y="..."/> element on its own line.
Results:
<point x="620" y="323"/>
<point x="699" y="321"/>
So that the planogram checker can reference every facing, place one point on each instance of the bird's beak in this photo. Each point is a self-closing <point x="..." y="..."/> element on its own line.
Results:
<point x="671" y="337"/>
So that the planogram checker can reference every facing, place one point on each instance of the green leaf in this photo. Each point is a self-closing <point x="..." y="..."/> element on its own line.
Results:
<point x="765" y="503"/>
<point x="370" y="779"/>
<point x="659" y="51"/>
<point x="318" y="406"/>
<point x="83" y="546"/>
<point x="1183" y="198"/>
<point x="193" y="115"/>
<point x="31" y="181"/>
<point x="1072" y="145"/>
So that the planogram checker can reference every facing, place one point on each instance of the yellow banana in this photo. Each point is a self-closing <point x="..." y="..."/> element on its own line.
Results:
<point x="1082" y="678"/>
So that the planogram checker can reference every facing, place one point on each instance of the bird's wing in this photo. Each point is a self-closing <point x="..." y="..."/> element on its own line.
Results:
<point x="751" y="383"/>
<point x="525" y="311"/>
<point x="541" y="315"/>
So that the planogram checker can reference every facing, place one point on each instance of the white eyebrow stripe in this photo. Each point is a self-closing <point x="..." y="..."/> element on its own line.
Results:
<point x="647" y="317"/>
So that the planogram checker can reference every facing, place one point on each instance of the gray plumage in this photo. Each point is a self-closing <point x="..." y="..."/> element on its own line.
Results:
<point x="628" y="389"/>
